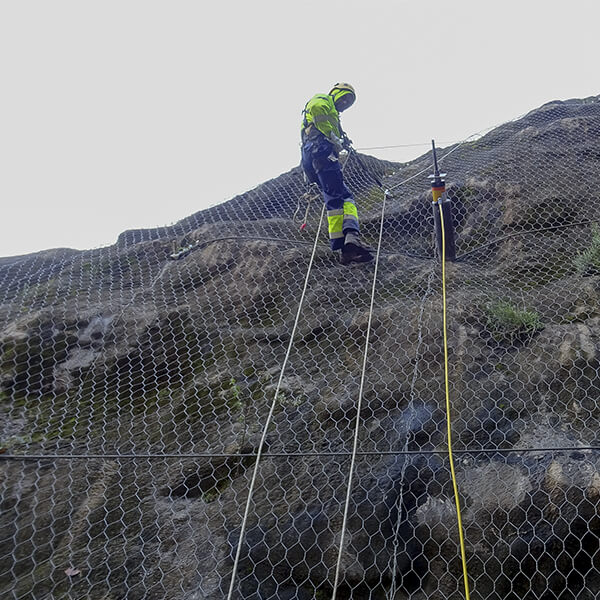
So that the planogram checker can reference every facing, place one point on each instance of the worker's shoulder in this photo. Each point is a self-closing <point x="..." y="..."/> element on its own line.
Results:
<point x="320" y="100"/>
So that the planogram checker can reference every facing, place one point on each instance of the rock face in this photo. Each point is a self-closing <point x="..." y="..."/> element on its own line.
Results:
<point x="136" y="391"/>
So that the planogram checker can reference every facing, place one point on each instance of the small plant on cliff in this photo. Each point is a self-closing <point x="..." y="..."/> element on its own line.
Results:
<point x="234" y="390"/>
<point x="505" y="321"/>
<point x="588" y="261"/>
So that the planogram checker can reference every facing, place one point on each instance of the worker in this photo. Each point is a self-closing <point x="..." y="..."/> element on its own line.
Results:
<point x="322" y="141"/>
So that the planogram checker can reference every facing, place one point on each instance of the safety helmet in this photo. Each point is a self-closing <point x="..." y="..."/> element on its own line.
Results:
<point x="343" y="90"/>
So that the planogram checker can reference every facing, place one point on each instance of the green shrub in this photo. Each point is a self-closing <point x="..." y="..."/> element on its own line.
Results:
<point x="505" y="321"/>
<point x="588" y="261"/>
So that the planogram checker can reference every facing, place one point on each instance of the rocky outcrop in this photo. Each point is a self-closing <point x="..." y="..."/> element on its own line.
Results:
<point x="135" y="389"/>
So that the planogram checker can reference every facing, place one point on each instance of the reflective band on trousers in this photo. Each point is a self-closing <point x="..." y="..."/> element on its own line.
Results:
<point x="342" y="219"/>
<point x="350" y="209"/>
<point x="350" y="216"/>
<point x="335" y="220"/>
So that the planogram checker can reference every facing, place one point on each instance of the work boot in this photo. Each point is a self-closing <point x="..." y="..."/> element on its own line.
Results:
<point x="354" y="250"/>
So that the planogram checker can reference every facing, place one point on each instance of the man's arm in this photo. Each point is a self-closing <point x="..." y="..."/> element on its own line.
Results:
<point x="325" y="120"/>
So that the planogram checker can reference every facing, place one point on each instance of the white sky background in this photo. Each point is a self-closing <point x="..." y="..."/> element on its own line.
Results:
<point x="121" y="114"/>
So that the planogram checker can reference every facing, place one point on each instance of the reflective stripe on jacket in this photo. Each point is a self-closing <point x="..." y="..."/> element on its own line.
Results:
<point x="320" y="112"/>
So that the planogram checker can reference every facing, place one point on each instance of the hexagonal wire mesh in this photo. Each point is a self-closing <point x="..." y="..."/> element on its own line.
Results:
<point x="136" y="391"/>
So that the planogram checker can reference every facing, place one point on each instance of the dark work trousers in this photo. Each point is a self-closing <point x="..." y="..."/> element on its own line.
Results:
<point x="322" y="167"/>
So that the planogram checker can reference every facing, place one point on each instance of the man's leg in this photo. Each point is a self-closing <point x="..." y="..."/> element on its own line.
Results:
<point x="307" y="164"/>
<point x="342" y="216"/>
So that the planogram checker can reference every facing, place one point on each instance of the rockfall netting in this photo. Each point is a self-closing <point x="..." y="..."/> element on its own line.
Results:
<point x="148" y="387"/>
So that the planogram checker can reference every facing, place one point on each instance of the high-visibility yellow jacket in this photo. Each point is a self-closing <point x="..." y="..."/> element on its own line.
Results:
<point x="320" y="113"/>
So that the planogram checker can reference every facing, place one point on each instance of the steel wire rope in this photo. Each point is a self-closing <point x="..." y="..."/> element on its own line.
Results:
<point x="416" y="145"/>
<point x="273" y="404"/>
<point x="468" y="139"/>
<point x="463" y="555"/>
<point x="413" y="383"/>
<point x="459" y="257"/>
<point x="271" y="412"/>
<point x="478" y="134"/>
<point x="404" y="181"/>
<point x="359" y="407"/>
<point x="478" y="451"/>
<point x="526" y="232"/>
<point x="259" y="238"/>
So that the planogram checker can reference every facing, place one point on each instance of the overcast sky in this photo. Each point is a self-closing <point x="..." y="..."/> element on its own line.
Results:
<point x="120" y="114"/>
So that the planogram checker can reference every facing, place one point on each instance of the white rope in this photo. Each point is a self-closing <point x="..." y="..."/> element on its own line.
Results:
<point x="271" y="411"/>
<point x="360" y="393"/>
<point x="358" y="408"/>
<point x="274" y="403"/>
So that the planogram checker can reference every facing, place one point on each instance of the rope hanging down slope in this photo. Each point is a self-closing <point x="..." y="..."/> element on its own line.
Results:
<point x="274" y="403"/>
<point x="358" y="409"/>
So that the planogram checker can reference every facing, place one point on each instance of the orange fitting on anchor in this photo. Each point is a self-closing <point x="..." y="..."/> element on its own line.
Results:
<point x="437" y="191"/>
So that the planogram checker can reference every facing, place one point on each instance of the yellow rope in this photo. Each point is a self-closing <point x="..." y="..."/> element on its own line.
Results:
<point x="448" y="419"/>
